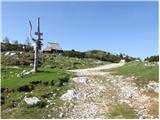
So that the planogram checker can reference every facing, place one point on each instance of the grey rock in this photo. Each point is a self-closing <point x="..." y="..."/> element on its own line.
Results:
<point x="80" y="79"/>
<point x="54" y="94"/>
<point x="60" y="115"/>
<point x="12" y="54"/>
<point x="69" y="95"/>
<point x="31" y="100"/>
<point x="49" y="115"/>
<point x="25" y="72"/>
<point x="7" y="53"/>
<point x="153" y="86"/>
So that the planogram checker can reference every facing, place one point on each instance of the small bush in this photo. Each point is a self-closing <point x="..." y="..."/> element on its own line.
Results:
<point x="52" y="83"/>
<point x="36" y="82"/>
<point x="26" y="88"/>
<point x="2" y="100"/>
<point x="41" y="104"/>
<point x="47" y="95"/>
<point x="45" y="83"/>
<point x="12" y="104"/>
<point x="26" y="58"/>
<point x="63" y="80"/>
<point x="10" y="60"/>
<point x="7" y="90"/>
<point x="154" y="58"/>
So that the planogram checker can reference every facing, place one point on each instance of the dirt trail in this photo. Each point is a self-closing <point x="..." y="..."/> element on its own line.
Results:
<point x="98" y="91"/>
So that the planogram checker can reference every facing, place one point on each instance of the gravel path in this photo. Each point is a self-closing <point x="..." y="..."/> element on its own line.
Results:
<point x="98" y="91"/>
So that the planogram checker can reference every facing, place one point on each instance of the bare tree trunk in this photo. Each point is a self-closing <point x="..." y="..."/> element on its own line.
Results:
<point x="36" y="41"/>
<point x="35" y="57"/>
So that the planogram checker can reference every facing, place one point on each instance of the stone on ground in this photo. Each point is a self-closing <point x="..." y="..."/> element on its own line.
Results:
<point x="31" y="100"/>
<point x="69" y="95"/>
<point x="153" y="86"/>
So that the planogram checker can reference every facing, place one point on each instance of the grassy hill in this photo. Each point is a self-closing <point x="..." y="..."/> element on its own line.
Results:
<point x="65" y="62"/>
<point x="49" y="60"/>
<point x="100" y="55"/>
<point x="52" y="78"/>
<point x="43" y="85"/>
<point x="144" y="71"/>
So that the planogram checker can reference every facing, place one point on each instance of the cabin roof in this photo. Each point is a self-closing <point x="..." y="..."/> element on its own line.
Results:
<point x="53" y="46"/>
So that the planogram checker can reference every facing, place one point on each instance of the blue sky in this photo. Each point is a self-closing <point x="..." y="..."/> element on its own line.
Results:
<point x="117" y="27"/>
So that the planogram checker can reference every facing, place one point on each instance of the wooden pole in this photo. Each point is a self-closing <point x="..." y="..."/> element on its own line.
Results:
<point x="36" y="46"/>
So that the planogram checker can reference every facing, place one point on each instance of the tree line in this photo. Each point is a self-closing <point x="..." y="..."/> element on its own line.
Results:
<point x="7" y="45"/>
<point x="154" y="58"/>
<point x="100" y="55"/>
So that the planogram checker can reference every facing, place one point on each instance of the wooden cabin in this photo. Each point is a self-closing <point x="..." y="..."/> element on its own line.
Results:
<point x="53" y="48"/>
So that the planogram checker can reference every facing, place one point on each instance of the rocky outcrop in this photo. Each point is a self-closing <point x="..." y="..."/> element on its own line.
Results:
<point x="153" y="86"/>
<point x="31" y="100"/>
<point x="69" y="95"/>
<point x="103" y="89"/>
<point x="80" y="80"/>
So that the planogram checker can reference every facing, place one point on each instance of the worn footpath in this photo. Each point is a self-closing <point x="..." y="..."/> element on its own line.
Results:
<point x="97" y="92"/>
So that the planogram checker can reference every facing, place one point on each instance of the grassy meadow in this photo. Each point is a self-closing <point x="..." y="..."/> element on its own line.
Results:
<point x="51" y="79"/>
<point x="144" y="72"/>
<point x="67" y="63"/>
<point x="43" y="85"/>
<point x="10" y="79"/>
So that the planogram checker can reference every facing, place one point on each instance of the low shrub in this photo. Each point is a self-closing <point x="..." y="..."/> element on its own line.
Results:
<point x="47" y="95"/>
<point x="26" y="88"/>
<point x="52" y="83"/>
<point x="41" y="104"/>
<point x="45" y="83"/>
<point x="154" y="58"/>
<point x="63" y="80"/>
<point x="2" y="100"/>
<point x="7" y="90"/>
<point x="36" y="82"/>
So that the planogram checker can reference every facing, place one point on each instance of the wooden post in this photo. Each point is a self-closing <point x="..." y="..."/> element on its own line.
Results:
<point x="37" y="43"/>
<point x="35" y="57"/>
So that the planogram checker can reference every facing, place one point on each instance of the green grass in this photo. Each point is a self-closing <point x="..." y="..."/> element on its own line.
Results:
<point x="25" y="112"/>
<point x="122" y="112"/>
<point x="144" y="73"/>
<point x="10" y="79"/>
<point x="51" y="61"/>
<point x="22" y="110"/>
<point x="42" y="91"/>
<point x="53" y="69"/>
<point x="62" y="62"/>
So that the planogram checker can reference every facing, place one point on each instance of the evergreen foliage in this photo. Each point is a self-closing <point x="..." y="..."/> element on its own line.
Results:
<point x="100" y="55"/>
<point x="154" y="58"/>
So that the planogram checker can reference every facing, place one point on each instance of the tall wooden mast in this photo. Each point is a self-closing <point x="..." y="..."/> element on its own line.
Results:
<point x="37" y="43"/>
